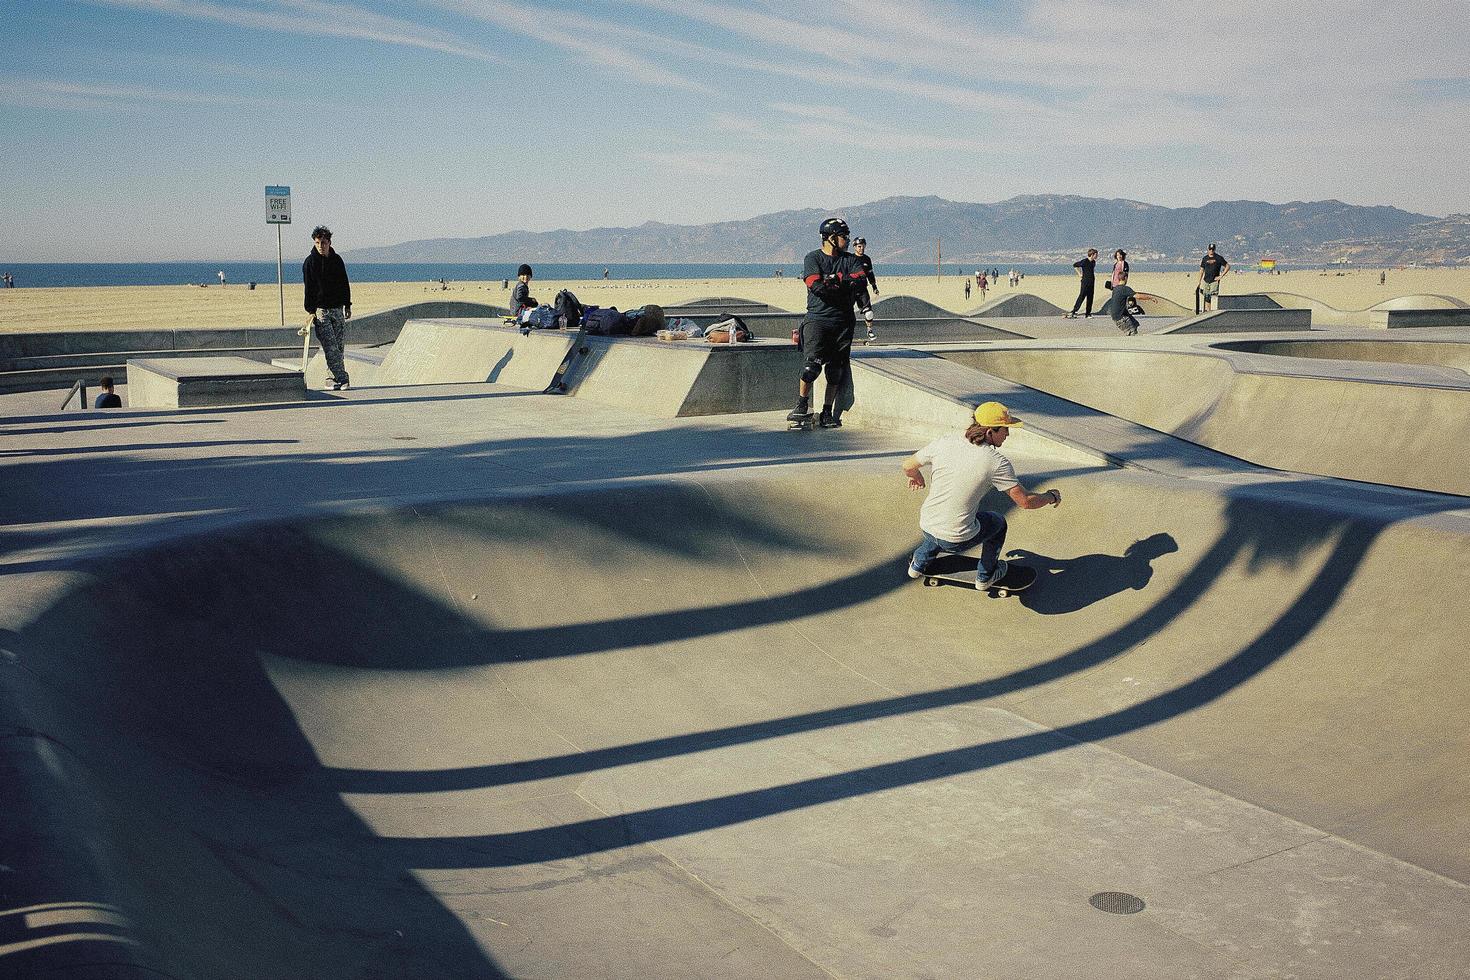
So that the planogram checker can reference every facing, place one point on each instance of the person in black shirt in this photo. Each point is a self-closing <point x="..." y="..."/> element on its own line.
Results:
<point x="520" y="297"/>
<point x="108" y="398"/>
<point x="859" y="249"/>
<point x="1212" y="269"/>
<point x="328" y="303"/>
<point x="834" y="278"/>
<point x="1086" y="270"/>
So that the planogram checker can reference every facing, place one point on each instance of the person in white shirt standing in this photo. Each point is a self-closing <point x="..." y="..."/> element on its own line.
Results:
<point x="963" y="468"/>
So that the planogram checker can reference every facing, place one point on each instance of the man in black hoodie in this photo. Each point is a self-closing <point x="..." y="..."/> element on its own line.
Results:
<point x="329" y="303"/>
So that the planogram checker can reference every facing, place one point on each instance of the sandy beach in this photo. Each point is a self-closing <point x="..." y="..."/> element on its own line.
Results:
<point x="152" y="307"/>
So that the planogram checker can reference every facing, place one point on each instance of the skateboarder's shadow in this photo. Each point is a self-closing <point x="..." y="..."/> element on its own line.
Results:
<point x="1065" y="585"/>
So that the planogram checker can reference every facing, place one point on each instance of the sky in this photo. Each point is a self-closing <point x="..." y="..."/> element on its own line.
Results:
<point x="138" y="130"/>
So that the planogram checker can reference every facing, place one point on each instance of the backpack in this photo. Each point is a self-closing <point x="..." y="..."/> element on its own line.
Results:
<point x="650" y="320"/>
<point x="568" y="310"/>
<point x="602" y="321"/>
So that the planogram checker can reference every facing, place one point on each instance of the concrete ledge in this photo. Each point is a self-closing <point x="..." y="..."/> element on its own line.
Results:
<point x="1242" y="320"/>
<point x="644" y="375"/>
<point x="201" y="382"/>
<point x="1398" y="319"/>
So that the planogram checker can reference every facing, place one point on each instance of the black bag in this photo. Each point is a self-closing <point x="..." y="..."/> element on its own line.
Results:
<point x="568" y="310"/>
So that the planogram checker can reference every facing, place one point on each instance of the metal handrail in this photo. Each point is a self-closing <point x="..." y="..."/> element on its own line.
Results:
<point x="79" y="386"/>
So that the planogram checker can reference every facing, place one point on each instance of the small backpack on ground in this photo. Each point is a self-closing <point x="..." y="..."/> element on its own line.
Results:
<point x="650" y="321"/>
<point x="568" y="310"/>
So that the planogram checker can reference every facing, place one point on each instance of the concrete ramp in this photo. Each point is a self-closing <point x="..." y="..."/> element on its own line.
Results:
<point x="1303" y="415"/>
<point x="1016" y="304"/>
<point x="723" y="734"/>
<point x="1241" y="320"/>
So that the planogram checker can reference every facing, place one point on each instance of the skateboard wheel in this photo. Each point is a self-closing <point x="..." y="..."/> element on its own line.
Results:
<point x="930" y="583"/>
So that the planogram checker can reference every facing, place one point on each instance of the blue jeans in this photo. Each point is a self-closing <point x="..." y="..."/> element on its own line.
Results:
<point x="991" y="537"/>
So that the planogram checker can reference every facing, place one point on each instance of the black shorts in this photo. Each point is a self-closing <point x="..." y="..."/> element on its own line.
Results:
<point x="825" y="341"/>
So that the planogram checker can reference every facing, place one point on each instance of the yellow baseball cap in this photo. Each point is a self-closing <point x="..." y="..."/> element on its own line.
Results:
<point x="994" y="415"/>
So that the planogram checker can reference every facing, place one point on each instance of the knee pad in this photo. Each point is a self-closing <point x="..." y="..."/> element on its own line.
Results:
<point x="811" y="370"/>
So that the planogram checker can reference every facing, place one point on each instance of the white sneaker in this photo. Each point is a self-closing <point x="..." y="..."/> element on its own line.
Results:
<point x="344" y="386"/>
<point x="915" y="573"/>
<point x="1001" y="565"/>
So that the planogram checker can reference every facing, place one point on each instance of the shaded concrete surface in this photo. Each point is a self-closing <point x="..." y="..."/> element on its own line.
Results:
<point x="1414" y="310"/>
<point x="465" y="681"/>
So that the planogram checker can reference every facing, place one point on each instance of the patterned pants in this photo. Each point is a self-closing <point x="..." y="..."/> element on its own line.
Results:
<point x="331" y="329"/>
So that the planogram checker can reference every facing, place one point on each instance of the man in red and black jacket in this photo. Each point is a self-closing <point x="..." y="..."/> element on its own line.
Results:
<point x="834" y="278"/>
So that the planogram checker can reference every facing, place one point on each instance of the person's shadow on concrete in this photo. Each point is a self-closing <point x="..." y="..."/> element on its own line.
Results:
<point x="1065" y="585"/>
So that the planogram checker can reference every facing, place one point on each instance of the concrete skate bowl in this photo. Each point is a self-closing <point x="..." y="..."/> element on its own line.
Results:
<point x="1446" y="354"/>
<point x="1303" y="415"/>
<point x="724" y="734"/>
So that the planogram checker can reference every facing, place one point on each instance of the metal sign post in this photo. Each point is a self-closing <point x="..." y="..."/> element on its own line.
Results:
<point x="278" y="212"/>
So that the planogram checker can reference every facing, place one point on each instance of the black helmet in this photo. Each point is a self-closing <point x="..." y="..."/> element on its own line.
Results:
<point x="524" y="270"/>
<point x="834" y="226"/>
<point x="860" y="241"/>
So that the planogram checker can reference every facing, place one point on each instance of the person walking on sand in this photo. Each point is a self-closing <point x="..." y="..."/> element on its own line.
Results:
<point x="859" y="250"/>
<point x="1087" y="274"/>
<point x="221" y="275"/>
<point x="833" y="279"/>
<point x="962" y="469"/>
<point x="1212" y="268"/>
<point x="967" y="289"/>
<point x="328" y="303"/>
<point x="983" y="282"/>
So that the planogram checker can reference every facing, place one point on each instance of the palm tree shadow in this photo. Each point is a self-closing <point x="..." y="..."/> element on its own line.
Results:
<point x="1066" y="585"/>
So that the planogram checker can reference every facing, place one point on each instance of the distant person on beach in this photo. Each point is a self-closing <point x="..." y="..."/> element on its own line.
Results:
<point x="520" y="297"/>
<point x="604" y="273"/>
<point x="859" y="249"/>
<point x="108" y="398"/>
<point x="1212" y="268"/>
<point x="329" y="303"/>
<point x="9" y="281"/>
<point x="1382" y="277"/>
<point x="962" y="469"/>
<point x="221" y="275"/>
<point x="982" y="281"/>
<point x="1087" y="275"/>
<point x="967" y="289"/>
<point x="833" y="278"/>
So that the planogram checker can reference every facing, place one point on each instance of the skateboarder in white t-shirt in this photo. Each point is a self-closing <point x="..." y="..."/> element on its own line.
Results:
<point x="963" y="468"/>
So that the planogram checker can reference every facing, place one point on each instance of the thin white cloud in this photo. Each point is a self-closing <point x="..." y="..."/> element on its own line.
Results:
<point x="315" y="18"/>
<point x="53" y="94"/>
<point x="586" y="37"/>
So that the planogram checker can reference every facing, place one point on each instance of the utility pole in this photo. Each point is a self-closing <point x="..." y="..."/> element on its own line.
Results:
<point x="938" y="259"/>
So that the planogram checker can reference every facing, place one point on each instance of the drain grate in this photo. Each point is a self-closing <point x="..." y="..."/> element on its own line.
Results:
<point x="1118" y="903"/>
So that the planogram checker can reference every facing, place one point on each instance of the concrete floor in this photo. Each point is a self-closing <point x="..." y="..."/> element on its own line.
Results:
<point x="460" y="681"/>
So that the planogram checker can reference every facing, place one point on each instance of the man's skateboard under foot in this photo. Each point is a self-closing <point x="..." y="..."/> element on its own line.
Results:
<point x="961" y="569"/>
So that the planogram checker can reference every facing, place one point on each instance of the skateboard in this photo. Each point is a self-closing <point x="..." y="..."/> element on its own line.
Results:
<point x="960" y="570"/>
<point x="558" y="384"/>
<point x="806" y="423"/>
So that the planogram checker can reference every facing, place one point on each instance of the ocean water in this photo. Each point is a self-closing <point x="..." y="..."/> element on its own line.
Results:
<point x="35" y="274"/>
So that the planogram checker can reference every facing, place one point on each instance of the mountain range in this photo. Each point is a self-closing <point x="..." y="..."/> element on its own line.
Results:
<point x="1037" y="228"/>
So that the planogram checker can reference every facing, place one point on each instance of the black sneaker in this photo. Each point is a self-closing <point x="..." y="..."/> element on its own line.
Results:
<point x="801" y="412"/>
<point x="830" y="419"/>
